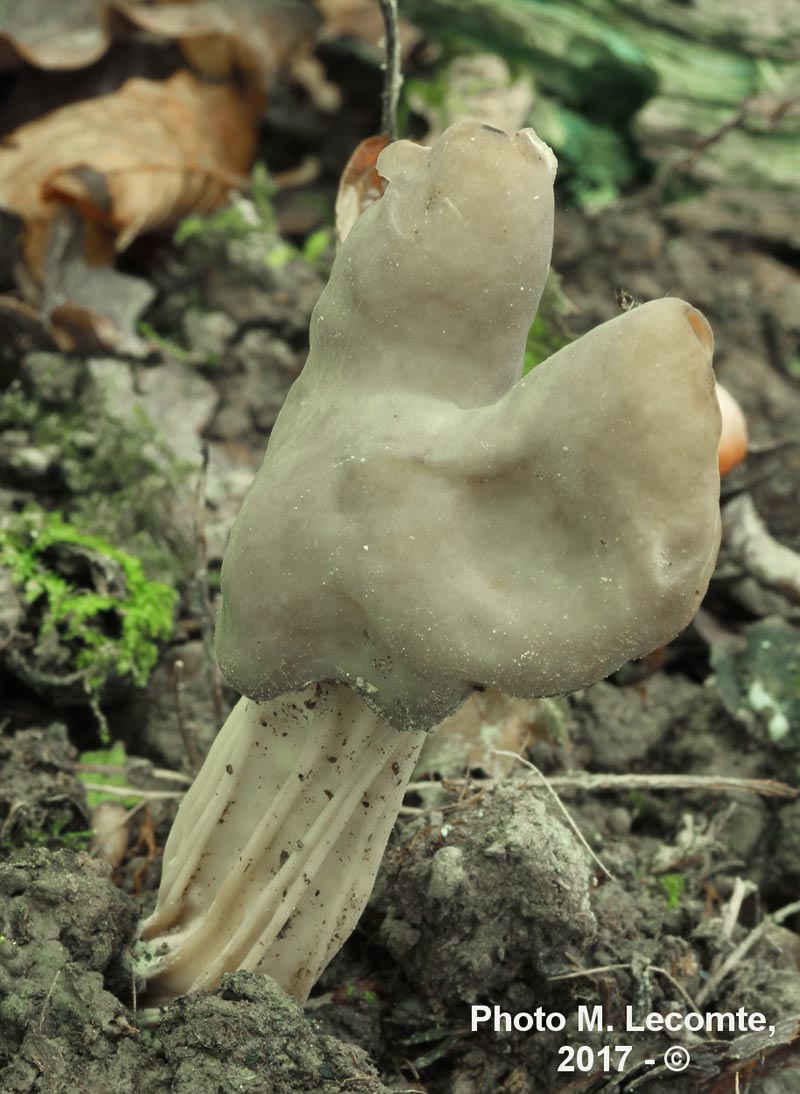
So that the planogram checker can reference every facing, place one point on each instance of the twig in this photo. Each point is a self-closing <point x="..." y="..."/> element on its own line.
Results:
<point x="736" y="956"/>
<point x="590" y="972"/>
<point x="118" y="769"/>
<point x="462" y="803"/>
<point x="715" y="784"/>
<point x="734" y="906"/>
<point x="628" y="966"/>
<point x="687" y="161"/>
<point x="770" y="562"/>
<point x="679" y="988"/>
<point x="47" y="998"/>
<point x="532" y="767"/>
<point x="135" y="792"/>
<point x="392" y="77"/>
<point x="203" y="594"/>
<point x="94" y="704"/>
<point x="187" y="736"/>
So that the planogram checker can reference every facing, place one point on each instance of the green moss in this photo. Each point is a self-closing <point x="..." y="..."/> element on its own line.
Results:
<point x="114" y="756"/>
<point x="317" y="251"/>
<point x="673" y="886"/>
<point x="58" y="836"/>
<point x="549" y="333"/>
<point x="280" y="254"/>
<point x="112" y="478"/>
<point x="167" y="345"/>
<point x="542" y="342"/>
<point x="239" y="219"/>
<point x="229" y="222"/>
<point x="255" y="216"/>
<point x="355" y="993"/>
<point x="318" y="248"/>
<point x="597" y="160"/>
<point x="108" y="632"/>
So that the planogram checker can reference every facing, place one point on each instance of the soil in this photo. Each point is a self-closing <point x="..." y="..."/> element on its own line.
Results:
<point x="487" y="896"/>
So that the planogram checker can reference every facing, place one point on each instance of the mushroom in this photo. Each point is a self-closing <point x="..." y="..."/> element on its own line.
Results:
<point x="426" y="522"/>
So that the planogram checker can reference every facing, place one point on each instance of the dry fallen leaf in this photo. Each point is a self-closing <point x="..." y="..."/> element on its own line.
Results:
<point x="137" y="160"/>
<point x="215" y="38"/>
<point x="54" y="36"/>
<point x="218" y="39"/>
<point x="487" y="722"/>
<point x="362" y="19"/>
<point x="360" y="184"/>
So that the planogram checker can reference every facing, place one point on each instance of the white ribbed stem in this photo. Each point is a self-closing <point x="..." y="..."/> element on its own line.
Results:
<point x="275" y="848"/>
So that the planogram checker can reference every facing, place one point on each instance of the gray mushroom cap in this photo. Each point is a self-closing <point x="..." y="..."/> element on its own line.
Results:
<point x="425" y="520"/>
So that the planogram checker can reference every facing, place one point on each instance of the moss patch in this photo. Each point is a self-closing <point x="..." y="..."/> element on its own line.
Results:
<point x="113" y="628"/>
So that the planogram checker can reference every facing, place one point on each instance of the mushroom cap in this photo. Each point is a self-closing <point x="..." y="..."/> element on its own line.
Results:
<point x="426" y="521"/>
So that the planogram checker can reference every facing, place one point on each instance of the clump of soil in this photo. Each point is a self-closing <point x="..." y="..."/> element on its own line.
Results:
<point x="499" y="893"/>
<point x="64" y="930"/>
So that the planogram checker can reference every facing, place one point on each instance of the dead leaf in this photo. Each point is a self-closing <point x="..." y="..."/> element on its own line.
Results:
<point x="360" y="184"/>
<point x="486" y="722"/>
<point x="215" y="38"/>
<point x="362" y="19"/>
<point x="134" y="161"/>
<point x="53" y="36"/>
<point x="219" y="40"/>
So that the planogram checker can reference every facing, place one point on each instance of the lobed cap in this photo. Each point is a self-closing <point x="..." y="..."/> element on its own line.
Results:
<point x="426" y="521"/>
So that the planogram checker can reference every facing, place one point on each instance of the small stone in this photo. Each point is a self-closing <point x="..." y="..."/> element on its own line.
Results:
<point x="619" y="821"/>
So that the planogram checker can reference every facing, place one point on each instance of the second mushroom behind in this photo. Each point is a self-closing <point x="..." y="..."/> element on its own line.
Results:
<point x="426" y="521"/>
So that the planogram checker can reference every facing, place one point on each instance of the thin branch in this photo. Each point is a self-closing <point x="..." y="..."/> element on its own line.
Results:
<point x="735" y="957"/>
<point x="763" y="557"/>
<point x="741" y="889"/>
<point x="714" y="784"/>
<point x="187" y="735"/>
<point x="678" y="987"/>
<point x="629" y="968"/>
<point x="203" y="594"/>
<point x="118" y="769"/>
<point x="532" y="767"/>
<point x="596" y="971"/>
<point x="47" y="999"/>
<point x="135" y="792"/>
<point x="392" y="76"/>
<point x="683" y="164"/>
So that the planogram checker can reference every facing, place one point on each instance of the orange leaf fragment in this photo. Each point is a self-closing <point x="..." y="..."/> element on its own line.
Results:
<point x="133" y="161"/>
<point x="733" y="440"/>
<point x="360" y="184"/>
